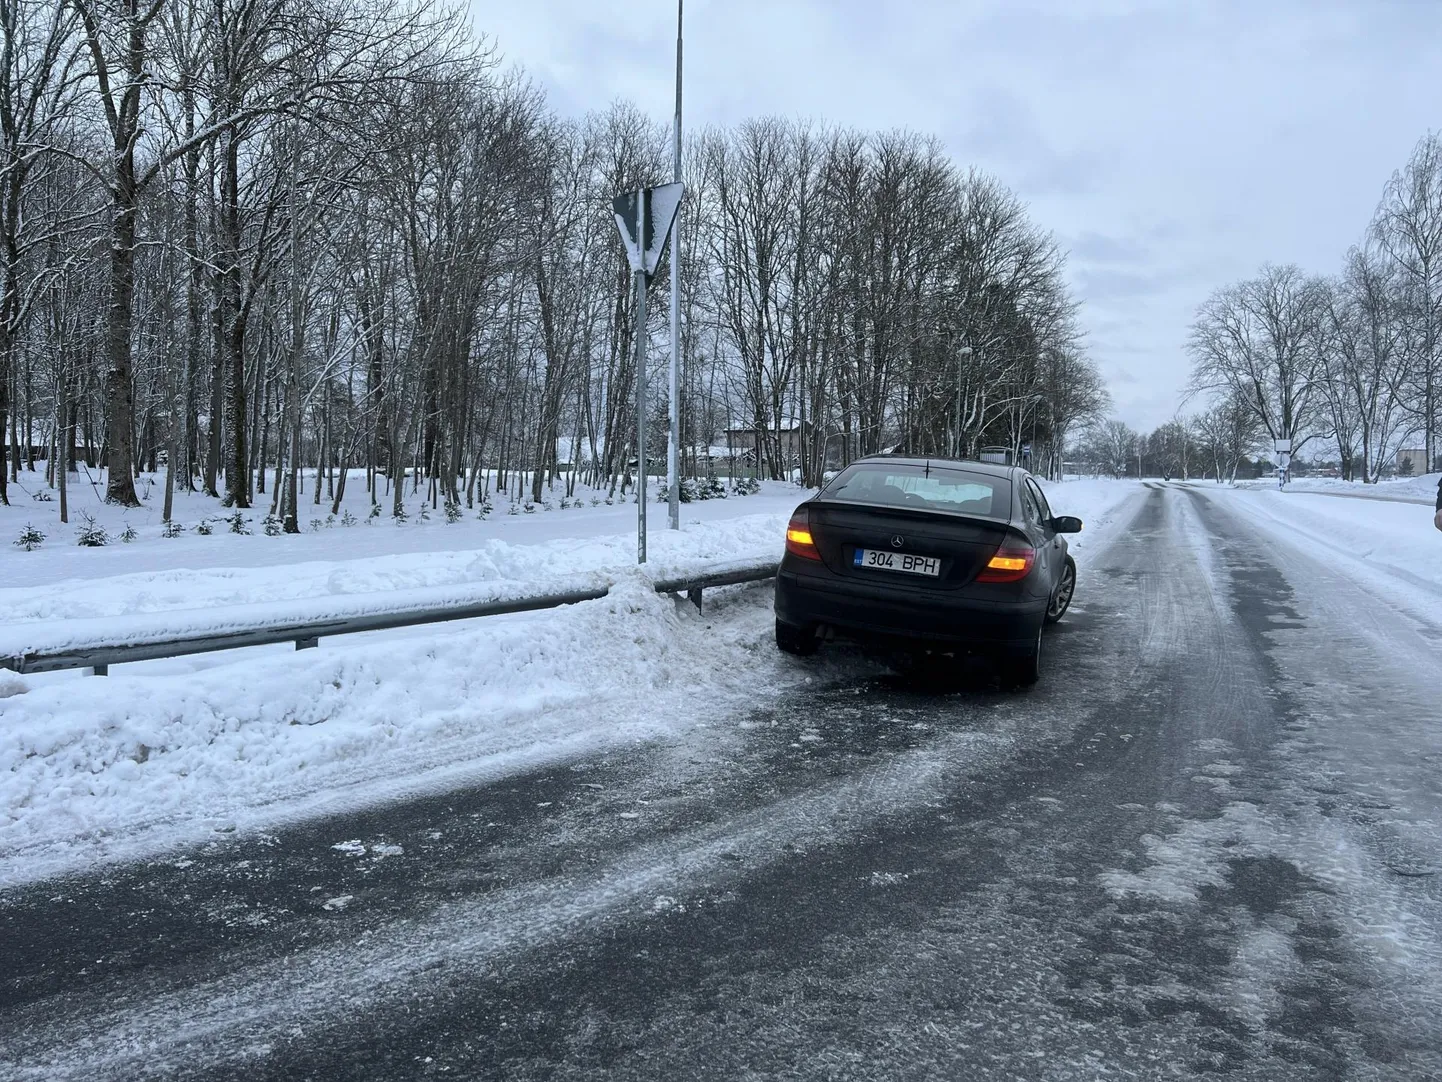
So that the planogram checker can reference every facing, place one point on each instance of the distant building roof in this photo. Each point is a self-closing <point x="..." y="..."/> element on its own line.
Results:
<point x="788" y="424"/>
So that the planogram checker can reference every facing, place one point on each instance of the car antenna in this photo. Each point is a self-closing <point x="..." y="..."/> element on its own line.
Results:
<point x="927" y="472"/>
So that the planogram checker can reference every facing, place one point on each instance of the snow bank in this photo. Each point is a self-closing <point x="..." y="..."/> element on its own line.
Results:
<point x="158" y="628"/>
<point x="106" y="768"/>
<point x="1422" y="488"/>
<point x="325" y="566"/>
<point x="1098" y="502"/>
<point x="60" y="560"/>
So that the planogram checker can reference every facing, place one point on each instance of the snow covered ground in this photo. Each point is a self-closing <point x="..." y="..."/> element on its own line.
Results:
<point x="1386" y="539"/>
<point x="165" y="752"/>
<point x="418" y="552"/>
<point x="1422" y="488"/>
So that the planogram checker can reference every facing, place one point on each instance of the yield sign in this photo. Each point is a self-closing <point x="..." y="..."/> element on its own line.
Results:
<point x="644" y="246"/>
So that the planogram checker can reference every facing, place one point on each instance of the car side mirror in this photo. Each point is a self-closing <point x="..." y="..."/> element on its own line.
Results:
<point x="1066" y="524"/>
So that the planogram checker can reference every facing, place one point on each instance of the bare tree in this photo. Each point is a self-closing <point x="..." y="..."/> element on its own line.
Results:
<point x="1256" y="342"/>
<point x="332" y="234"/>
<point x="36" y="54"/>
<point x="1408" y="227"/>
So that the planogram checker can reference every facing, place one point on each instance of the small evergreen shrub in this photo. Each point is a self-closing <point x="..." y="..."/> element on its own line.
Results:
<point x="710" y="488"/>
<point x="91" y="534"/>
<point x="30" y="538"/>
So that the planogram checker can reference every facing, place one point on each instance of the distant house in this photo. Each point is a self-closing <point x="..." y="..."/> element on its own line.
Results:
<point x="1412" y="461"/>
<point x="788" y="437"/>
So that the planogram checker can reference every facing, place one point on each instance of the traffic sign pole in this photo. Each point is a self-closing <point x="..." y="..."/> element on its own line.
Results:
<point x="641" y="388"/>
<point x="1283" y="448"/>
<point x="644" y="219"/>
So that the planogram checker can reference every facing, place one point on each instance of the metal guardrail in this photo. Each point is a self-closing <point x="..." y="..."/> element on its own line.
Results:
<point x="100" y="657"/>
<point x="691" y="587"/>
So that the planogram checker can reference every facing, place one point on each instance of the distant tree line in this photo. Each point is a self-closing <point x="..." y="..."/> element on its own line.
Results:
<point x="242" y="238"/>
<point x="1216" y="443"/>
<point x="1348" y="364"/>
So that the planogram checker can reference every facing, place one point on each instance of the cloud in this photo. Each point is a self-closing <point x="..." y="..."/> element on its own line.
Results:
<point x="1093" y="247"/>
<point x="1170" y="145"/>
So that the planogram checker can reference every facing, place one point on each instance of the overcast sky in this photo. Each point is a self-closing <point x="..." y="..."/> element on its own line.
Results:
<point x="1170" y="146"/>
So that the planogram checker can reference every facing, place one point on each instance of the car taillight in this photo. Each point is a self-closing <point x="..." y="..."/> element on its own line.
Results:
<point x="798" y="537"/>
<point x="1011" y="563"/>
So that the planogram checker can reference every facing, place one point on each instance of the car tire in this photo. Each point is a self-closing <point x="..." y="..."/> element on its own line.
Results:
<point x="1022" y="670"/>
<point x="1062" y="595"/>
<point x="796" y="641"/>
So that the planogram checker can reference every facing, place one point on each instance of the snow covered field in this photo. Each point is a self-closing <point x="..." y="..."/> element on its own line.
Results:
<point x="164" y="752"/>
<point x="1401" y="488"/>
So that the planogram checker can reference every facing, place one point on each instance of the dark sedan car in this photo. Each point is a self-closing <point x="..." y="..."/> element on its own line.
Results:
<point x="951" y="556"/>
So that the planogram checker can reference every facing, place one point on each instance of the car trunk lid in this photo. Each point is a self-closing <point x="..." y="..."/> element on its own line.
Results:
<point x="962" y="544"/>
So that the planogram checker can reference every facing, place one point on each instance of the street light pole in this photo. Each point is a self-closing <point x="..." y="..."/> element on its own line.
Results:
<point x="673" y="472"/>
<point x="964" y="351"/>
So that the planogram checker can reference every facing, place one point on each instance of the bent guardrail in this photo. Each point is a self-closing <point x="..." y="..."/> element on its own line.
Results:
<point x="149" y="638"/>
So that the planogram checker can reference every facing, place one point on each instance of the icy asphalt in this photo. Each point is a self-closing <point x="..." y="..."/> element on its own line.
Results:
<point x="1208" y="845"/>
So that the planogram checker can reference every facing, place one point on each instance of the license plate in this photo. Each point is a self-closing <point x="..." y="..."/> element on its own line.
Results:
<point x="897" y="561"/>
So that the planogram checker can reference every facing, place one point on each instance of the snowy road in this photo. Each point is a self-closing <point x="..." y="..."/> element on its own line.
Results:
<point x="1204" y="846"/>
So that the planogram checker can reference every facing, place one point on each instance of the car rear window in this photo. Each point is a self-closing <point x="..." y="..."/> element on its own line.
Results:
<point x="927" y="487"/>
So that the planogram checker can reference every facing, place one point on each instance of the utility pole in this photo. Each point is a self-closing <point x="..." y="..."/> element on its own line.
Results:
<point x="673" y="472"/>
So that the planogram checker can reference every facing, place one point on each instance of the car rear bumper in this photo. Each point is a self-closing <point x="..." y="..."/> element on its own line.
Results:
<point x="858" y="610"/>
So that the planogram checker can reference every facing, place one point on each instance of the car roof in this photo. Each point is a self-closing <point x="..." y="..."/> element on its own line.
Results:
<point x="994" y="469"/>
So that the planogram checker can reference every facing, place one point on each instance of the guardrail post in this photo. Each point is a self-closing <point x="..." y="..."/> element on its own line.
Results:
<point x="694" y="596"/>
<point x="307" y="644"/>
<point x="100" y="670"/>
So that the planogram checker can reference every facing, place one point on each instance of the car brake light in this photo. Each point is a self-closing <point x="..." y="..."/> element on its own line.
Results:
<point x="798" y="537"/>
<point x="1012" y="563"/>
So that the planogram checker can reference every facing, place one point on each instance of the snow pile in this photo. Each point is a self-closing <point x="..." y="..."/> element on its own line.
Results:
<point x="87" y="765"/>
<point x="159" y="628"/>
